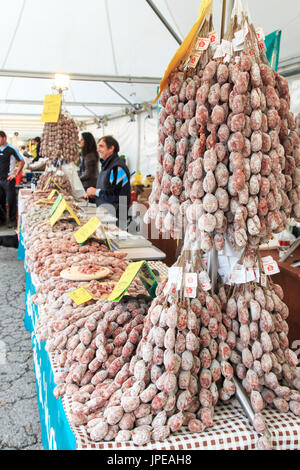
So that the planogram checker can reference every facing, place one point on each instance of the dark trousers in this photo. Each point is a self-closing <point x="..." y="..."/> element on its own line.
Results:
<point x="8" y="192"/>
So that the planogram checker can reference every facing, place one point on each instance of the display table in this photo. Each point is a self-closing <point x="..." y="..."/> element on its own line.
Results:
<point x="231" y="430"/>
<point x="289" y="280"/>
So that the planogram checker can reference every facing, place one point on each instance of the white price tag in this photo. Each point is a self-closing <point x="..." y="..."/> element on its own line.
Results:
<point x="270" y="266"/>
<point x="205" y="281"/>
<point x="264" y="280"/>
<point x="227" y="47"/>
<point x="213" y="37"/>
<point x="202" y="44"/>
<point x="205" y="260"/>
<point x="238" y="275"/>
<point x="190" y="280"/>
<point x="190" y="292"/>
<point x="246" y="29"/>
<point x="219" y="52"/>
<point x="239" y="37"/>
<point x="194" y="60"/>
<point x="260" y="34"/>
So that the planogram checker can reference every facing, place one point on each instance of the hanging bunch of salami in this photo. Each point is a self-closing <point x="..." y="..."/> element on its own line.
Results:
<point x="228" y="154"/>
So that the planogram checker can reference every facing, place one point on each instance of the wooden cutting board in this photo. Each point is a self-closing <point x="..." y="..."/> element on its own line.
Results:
<point x="73" y="274"/>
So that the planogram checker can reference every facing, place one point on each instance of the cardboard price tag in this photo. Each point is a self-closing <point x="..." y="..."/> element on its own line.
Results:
<point x="202" y="44"/>
<point x="55" y="205"/>
<point x="61" y="208"/>
<point x="205" y="281"/>
<point x="190" y="292"/>
<point x="190" y="280"/>
<point x="52" y="194"/>
<point x="80" y="296"/>
<point x="134" y="269"/>
<point x="87" y="230"/>
<point x="194" y="60"/>
<point x="51" y="111"/>
<point x="270" y="266"/>
<point x="213" y="37"/>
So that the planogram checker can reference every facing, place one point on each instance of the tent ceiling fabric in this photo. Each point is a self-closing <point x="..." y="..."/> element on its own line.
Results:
<point x="70" y="36"/>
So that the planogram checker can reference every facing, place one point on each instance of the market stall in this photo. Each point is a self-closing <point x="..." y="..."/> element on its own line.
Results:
<point x="197" y="356"/>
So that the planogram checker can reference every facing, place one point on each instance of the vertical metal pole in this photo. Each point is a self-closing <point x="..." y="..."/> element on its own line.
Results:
<point x="223" y="23"/>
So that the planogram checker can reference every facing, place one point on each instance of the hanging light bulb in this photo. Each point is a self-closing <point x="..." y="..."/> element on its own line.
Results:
<point x="61" y="81"/>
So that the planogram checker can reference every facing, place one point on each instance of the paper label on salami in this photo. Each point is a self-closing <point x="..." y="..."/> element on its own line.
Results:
<point x="263" y="280"/>
<point x="190" y="292"/>
<point x="270" y="266"/>
<point x="190" y="280"/>
<point x="202" y="44"/>
<point x="213" y="37"/>
<point x="205" y="281"/>
<point x="175" y="277"/>
<point x="219" y="52"/>
<point x="227" y="47"/>
<point x="238" y="275"/>
<point x="262" y="46"/>
<point x="204" y="260"/>
<point x="260" y="34"/>
<point x="246" y="29"/>
<point x="194" y="60"/>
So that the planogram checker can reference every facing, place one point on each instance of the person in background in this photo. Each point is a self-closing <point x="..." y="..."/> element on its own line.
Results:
<point x="89" y="167"/>
<point x="114" y="179"/>
<point x="9" y="156"/>
<point x="37" y="142"/>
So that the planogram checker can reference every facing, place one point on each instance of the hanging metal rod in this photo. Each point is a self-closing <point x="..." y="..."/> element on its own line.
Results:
<point x="67" y="103"/>
<point x="164" y="21"/>
<point x="135" y="106"/>
<point x="82" y="77"/>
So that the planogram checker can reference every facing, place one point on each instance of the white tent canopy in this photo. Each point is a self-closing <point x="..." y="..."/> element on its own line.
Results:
<point x="102" y="44"/>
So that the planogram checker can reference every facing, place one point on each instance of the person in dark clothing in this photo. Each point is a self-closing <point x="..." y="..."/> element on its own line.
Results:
<point x="9" y="156"/>
<point x="89" y="167"/>
<point x="37" y="141"/>
<point x="113" y="185"/>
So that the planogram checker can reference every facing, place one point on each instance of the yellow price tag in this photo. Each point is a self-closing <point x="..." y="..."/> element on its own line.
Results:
<point x="126" y="279"/>
<point x="72" y="213"/>
<point x="52" y="194"/>
<point x="58" y="213"/>
<point x="43" y="201"/>
<point x="85" y="232"/>
<point x="61" y="208"/>
<point x="80" y="296"/>
<point x="51" y="111"/>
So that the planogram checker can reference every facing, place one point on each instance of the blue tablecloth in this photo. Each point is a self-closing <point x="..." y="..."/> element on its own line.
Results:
<point x="56" y="431"/>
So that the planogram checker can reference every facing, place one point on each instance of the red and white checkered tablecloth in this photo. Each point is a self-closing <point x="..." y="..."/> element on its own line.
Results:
<point x="231" y="431"/>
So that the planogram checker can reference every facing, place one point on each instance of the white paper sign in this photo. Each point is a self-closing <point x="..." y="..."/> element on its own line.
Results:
<point x="190" y="292"/>
<point x="190" y="280"/>
<point x="202" y="44"/>
<point x="270" y="266"/>
<point x="205" y="281"/>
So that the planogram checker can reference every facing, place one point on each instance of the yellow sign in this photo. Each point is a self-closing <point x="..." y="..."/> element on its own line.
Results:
<point x="80" y="296"/>
<point x="126" y="279"/>
<point x="52" y="194"/>
<point x="186" y="47"/>
<point x="61" y="208"/>
<point x="85" y="232"/>
<point x="51" y="111"/>
<point x="43" y="201"/>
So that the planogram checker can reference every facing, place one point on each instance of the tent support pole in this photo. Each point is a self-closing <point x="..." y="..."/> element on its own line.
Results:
<point x="135" y="106"/>
<point x="164" y="21"/>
